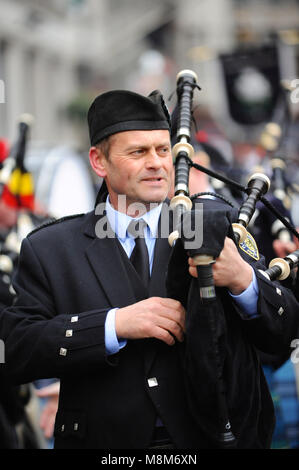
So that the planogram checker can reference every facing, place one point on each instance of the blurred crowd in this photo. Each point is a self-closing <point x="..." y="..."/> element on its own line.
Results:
<point x="39" y="183"/>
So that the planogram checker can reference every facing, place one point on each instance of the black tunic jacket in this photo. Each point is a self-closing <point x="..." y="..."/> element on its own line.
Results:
<point x="67" y="281"/>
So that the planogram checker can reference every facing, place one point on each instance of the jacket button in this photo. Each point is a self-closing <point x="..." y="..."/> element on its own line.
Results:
<point x="280" y="311"/>
<point x="152" y="382"/>
<point x="69" y="333"/>
<point x="74" y="318"/>
<point x="62" y="351"/>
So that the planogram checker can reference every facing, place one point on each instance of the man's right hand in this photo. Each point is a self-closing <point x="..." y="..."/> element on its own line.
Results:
<point x="156" y="317"/>
<point x="283" y="249"/>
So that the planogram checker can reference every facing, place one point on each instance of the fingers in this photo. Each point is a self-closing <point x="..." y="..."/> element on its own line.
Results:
<point x="229" y="270"/>
<point x="49" y="429"/>
<point x="170" y="326"/>
<point x="193" y="271"/>
<point x="163" y="335"/>
<point x="156" y="317"/>
<point x="48" y="391"/>
<point x="47" y="420"/>
<point x="282" y="248"/>
<point x="173" y="311"/>
<point x="48" y="414"/>
<point x="167" y="323"/>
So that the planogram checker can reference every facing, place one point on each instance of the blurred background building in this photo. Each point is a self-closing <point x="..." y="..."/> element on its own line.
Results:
<point x="56" y="55"/>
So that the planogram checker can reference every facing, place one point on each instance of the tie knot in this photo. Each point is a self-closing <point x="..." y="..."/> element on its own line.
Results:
<point x="136" y="228"/>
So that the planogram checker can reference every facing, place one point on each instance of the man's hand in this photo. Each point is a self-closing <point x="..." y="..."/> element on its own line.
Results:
<point x="282" y="248"/>
<point x="230" y="270"/>
<point x="156" y="317"/>
<point x="48" y="414"/>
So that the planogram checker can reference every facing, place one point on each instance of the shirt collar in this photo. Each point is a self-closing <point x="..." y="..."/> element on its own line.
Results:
<point x="120" y="221"/>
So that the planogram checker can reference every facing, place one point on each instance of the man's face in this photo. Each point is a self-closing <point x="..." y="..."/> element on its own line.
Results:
<point x="139" y="166"/>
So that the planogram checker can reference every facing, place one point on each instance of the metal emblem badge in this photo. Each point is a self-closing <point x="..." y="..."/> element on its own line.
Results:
<point x="250" y="247"/>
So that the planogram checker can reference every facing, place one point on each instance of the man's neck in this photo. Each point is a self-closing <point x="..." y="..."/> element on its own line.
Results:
<point x="134" y="209"/>
<point x="120" y="220"/>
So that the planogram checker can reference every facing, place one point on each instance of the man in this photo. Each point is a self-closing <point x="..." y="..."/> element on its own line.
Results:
<point x="114" y="339"/>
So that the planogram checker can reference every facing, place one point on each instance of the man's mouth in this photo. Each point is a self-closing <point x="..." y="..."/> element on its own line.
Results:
<point x="156" y="179"/>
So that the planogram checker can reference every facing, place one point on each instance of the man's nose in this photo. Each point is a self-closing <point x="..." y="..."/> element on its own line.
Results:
<point x="153" y="160"/>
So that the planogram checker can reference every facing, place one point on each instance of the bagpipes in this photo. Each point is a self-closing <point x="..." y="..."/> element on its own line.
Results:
<point x="17" y="197"/>
<point x="211" y="310"/>
<point x="280" y="268"/>
<point x="205" y="309"/>
<point x="274" y="140"/>
<point x="272" y="106"/>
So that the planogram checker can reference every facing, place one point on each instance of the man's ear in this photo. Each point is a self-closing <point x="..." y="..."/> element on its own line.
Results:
<point x="97" y="160"/>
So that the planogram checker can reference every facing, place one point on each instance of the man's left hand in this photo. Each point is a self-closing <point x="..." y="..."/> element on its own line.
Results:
<point x="230" y="269"/>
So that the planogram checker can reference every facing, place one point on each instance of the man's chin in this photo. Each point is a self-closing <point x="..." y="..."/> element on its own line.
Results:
<point x="155" y="198"/>
<point x="157" y="194"/>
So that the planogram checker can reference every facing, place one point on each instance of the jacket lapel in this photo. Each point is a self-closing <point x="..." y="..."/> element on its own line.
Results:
<point x="159" y="270"/>
<point x="157" y="286"/>
<point x="108" y="265"/>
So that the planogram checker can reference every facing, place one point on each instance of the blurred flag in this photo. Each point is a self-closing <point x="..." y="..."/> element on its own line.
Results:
<point x="17" y="181"/>
<point x="251" y="77"/>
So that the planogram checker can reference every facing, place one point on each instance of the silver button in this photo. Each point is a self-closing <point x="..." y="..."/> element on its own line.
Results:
<point x="6" y="279"/>
<point x="69" y="333"/>
<point x="280" y="311"/>
<point x="278" y="291"/>
<point x="62" y="428"/>
<point x="62" y="351"/>
<point x="74" y="318"/>
<point x="76" y="425"/>
<point x="152" y="382"/>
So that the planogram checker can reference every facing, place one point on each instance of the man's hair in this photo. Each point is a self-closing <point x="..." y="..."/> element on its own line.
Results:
<point x="104" y="147"/>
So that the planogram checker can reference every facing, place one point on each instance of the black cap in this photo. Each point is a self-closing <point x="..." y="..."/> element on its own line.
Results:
<point x="122" y="110"/>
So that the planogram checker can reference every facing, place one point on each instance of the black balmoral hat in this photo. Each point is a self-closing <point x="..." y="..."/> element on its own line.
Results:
<point x="122" y="110"/>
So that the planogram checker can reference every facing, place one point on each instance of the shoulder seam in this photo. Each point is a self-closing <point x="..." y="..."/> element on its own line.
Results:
<point x="53" y="222"/>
